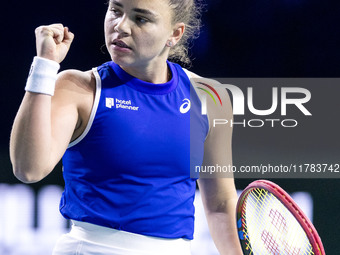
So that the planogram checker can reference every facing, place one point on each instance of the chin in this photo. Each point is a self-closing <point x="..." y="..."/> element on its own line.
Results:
<point x="122" y="60"/>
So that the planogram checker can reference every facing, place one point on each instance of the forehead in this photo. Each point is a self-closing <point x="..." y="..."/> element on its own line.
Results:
<point x="158" y="7"/>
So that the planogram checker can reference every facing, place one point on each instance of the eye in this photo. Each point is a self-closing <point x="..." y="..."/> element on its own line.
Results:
<point x="115" y="11"/>
<point x="141" y="20"/>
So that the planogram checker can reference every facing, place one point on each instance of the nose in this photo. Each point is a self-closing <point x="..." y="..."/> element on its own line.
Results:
<point x="123" y="26"/>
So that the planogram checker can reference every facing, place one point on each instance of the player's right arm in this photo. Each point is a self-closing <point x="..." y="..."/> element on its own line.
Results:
<point x="45" y="124"/>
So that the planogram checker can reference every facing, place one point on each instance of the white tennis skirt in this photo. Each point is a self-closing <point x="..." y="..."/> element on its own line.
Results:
<point x="89" y="239"/>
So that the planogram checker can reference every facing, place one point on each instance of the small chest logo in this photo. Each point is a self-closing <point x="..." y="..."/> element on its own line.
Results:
<point x="110" y="102"/>
<point x="120" y="104"/>
<point x="185" y="107"/>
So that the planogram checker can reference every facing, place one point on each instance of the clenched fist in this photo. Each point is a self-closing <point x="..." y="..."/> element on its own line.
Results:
<point x="53" y="41"/>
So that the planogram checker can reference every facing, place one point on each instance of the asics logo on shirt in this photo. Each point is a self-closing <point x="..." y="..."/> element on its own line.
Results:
<point x="185" y="107"/>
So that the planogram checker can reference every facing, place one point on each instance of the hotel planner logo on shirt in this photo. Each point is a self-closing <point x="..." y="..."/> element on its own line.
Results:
<point x="120" y="104"/>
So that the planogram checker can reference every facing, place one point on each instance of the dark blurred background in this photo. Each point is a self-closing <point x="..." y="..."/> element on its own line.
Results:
<point x="257" y="38"/>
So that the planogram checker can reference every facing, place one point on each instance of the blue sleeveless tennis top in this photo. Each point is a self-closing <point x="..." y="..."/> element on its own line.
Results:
<point x="130" y="169"/>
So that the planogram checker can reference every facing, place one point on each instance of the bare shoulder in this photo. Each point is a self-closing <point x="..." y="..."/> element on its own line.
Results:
<point x="216" y="96"/>
<point x="190" y="74"/>
<point x="198" y="81"/>
<point x="74" y="96"/>
<point x="75" y="80"/>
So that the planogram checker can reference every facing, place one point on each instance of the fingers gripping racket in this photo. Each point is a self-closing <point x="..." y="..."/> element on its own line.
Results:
<point x="270" y="222"/>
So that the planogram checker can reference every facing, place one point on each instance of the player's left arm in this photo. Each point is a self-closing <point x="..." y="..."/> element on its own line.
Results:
<point x="219" y="193"/>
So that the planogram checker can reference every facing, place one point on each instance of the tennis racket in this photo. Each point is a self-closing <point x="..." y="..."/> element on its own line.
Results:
<point x="270" y="223"/>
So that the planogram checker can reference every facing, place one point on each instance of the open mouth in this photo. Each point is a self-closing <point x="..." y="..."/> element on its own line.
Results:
<point x="120" y="44"/>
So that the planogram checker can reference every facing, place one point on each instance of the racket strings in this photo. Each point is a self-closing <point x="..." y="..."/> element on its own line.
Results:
<point x="294" y="235"/>
<point x="269" y="242"/>
<point x="278" y="221"/>
<point x="270" y="228"/>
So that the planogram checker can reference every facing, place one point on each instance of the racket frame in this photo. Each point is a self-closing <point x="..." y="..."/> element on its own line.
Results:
<point x="290" y="204"/>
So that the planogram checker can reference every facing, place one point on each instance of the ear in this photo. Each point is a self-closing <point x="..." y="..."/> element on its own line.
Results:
<point x="177" y="33"/>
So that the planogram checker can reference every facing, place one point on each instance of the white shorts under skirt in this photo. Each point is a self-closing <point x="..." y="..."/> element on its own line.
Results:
<point x="89" y="239"/>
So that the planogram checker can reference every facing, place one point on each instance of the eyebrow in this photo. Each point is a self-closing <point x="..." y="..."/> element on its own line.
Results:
<point x="139" y="10"/>
<point x="144" y="11"/>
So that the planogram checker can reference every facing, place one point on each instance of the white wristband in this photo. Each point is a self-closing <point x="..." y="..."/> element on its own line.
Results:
<point x="42" y="76"/>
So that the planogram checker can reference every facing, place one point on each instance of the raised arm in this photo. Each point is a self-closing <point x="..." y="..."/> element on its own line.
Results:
<point x="44" y="125"/>
<point x="218" y="192"/>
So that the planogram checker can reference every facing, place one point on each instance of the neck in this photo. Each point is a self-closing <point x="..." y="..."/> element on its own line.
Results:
<point x="158" y="73"/>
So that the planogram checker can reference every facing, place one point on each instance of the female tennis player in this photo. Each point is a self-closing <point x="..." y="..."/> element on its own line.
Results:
<point x="123" y="132"/>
